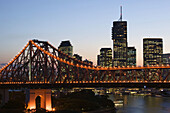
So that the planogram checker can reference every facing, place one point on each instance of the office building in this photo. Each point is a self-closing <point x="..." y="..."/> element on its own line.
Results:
<point x="152" y="51"/>
<point x="119" y="37"/>
<point x="66" y="47"/>
<point x="105" y="57"/>
<point x="166" y="61"/>
<point x="131" y="56"/>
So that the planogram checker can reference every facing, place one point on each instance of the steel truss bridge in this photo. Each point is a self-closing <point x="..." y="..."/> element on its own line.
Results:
<point x="41" y="65"/>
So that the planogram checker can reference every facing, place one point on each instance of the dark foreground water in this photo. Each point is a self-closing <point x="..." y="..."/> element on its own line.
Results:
<point x="142" y="104"/>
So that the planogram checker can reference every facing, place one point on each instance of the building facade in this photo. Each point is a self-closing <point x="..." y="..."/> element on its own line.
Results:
<point x="66" y="47"/>
<point x="166" y="61"/>
<point x="105" y="57"/>
<point x="131" y="56"/>
<point x="152" y="51"/>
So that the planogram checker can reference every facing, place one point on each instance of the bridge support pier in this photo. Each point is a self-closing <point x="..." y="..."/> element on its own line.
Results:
<point x="39" y="98"/>
<point x="4" y="96"/>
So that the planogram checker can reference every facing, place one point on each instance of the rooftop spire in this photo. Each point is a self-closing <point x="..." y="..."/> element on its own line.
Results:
<point x="120" y="19"/>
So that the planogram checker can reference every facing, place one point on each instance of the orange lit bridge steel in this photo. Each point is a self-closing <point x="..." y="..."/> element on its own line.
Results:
<point x="41" y="65"/>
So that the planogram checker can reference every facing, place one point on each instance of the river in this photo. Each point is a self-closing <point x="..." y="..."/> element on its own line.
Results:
<point x="142" y="104"/>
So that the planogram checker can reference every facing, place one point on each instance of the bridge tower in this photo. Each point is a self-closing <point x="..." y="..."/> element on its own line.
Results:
<point x="40" y="98"/>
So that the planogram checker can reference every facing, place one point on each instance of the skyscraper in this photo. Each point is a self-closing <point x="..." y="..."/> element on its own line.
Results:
<point x="166" y="61"/>
<point x="105" y="57"/>
<point x="152" y="51"/>
<point x="119" y="37"/>
<point x="66" y="47"/>
<point x="131" y="56"/>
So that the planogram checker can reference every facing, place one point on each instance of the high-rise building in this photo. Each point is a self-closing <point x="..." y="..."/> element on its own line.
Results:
<point x="66" y="47"/>
<point x="105" y="57"/>
<point x="119" y="37"/>
<point x="166" y="61"/>
<point x="152" y="51"/>
<point x="131" y="56"/>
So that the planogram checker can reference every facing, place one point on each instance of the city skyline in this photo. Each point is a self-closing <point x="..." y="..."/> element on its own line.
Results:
<point x="87" y="24"/>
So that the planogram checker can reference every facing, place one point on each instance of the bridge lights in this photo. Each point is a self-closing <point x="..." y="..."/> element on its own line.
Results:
<point x="81" y="66"/>
<point x="97" y="68"/>
<point x="85" y="67"/>
<point x="53" y="109"/>
<point x="88" y="67"/>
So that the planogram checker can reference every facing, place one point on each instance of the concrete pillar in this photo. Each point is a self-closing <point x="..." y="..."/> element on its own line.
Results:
<point x="45" y="95"/>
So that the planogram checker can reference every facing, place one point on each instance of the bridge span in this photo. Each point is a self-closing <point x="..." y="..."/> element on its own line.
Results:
<point x="39" y="64"/>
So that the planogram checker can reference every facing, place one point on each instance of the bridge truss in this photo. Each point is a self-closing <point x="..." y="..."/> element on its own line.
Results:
<point x="41" y="63"/>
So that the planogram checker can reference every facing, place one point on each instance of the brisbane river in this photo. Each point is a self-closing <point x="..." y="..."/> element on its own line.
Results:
<point x="142" y="104"/>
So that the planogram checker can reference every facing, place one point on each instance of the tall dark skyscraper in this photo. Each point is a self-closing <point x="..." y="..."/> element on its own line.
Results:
<point x="119" y="37"/>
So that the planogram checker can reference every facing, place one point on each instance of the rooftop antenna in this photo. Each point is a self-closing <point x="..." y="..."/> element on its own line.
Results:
<point x="120" y="19"/>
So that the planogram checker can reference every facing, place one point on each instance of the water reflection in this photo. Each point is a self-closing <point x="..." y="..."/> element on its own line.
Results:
<point x="142" y="104"/>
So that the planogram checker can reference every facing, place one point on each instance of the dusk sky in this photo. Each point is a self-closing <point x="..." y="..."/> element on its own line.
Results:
<point x="86" y="23"/>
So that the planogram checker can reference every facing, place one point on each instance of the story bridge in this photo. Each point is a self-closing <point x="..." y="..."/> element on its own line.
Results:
<point x="40" y="65"/>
